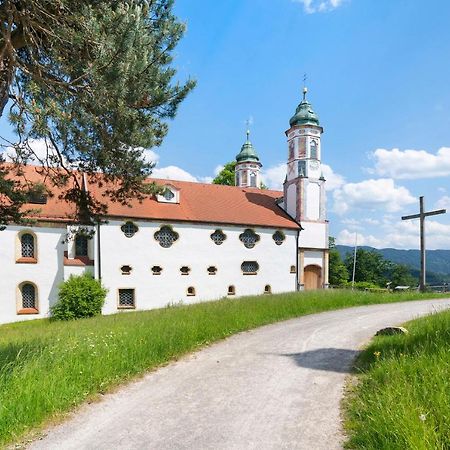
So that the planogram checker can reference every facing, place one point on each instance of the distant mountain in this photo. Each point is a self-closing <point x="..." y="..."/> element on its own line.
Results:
<point x="438" y="261"/>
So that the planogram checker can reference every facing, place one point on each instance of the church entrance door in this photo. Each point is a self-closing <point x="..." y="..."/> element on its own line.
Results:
<point x="313" y="277"/>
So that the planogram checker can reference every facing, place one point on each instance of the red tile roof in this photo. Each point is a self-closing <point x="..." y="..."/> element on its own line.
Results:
<point x="199" y="202"/>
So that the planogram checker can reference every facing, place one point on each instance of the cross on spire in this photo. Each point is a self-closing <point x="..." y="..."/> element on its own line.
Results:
<point x="305" y="89"/>
<point x="248" y="122"/>
<point x="422" y="214"/>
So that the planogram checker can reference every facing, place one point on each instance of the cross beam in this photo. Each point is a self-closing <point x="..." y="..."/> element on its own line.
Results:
<point x="422" y="214"/>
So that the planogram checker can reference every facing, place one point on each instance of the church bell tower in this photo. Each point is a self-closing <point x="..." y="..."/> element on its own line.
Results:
<point x="248" y="167"/>
<point x="304" y="194"/>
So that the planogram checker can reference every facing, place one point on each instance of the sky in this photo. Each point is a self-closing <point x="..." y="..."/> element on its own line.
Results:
<point x="378" y="77"/>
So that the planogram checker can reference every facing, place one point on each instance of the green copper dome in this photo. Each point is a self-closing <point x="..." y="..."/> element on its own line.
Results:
<point x="304" y="115"/>
<point x="247" y="153"/>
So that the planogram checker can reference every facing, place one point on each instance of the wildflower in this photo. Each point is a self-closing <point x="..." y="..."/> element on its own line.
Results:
<point x="377" y="354"/>
<point x="423" y="417"/>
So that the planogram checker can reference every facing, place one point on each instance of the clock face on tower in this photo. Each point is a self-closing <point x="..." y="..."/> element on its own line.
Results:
<point x="314" y="164"/>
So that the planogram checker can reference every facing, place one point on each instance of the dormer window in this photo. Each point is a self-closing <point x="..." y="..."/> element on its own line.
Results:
<point x="169" y="194"/>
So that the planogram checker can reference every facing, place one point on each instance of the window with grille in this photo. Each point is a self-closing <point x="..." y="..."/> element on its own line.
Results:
<point x="129" y="229"/>
<point x="278" y="237"/>
<point x="218" y="237"/>
<point x="166" y="236"/>
<point x="212" y="270"/>
<point x="126" y="270"/>
<point x="27" y="245"/>
<point x="156" y="270"/>
<point x="185" y="270"/>
<point x="191" y="291"/>
<point x="249" y="267"/>
<point x="168" y="194"/>
<point x="231" y="290"/>
<point x="267" y="289"/>
<point x="28" y="296"/>
<point x="126" y="298"/>
<point x="249" y="238"/>
<point x="81" y="245"/>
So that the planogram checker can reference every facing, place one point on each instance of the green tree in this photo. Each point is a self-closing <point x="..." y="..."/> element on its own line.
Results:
<point x="370" y="267"/>
<point x="226" y="175"/>
<point x="400" y="275"/>
<point x="94" y="81"/>
<point x="338" y="273"/>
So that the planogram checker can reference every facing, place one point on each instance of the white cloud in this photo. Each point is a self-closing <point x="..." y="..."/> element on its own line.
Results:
<point x="173" y="173"/>
<point x="218" y="169"/>
<point x="346" y="237"/>
<point x="371" y="195"/>
<point x="333" y="179"/>
<point x="150" y="156"/>
<point x="274" y="176"/>
<point x="314" y="6"/>
<point x="411" y="164"/>
<point x="443" y="203"/>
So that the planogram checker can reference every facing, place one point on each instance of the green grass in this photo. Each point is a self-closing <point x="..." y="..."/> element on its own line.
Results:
<point x="402" y="396"/>
<point x="48" y="368"/>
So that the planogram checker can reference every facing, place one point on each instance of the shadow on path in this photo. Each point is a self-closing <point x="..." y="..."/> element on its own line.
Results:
<point x="329" y="359"/>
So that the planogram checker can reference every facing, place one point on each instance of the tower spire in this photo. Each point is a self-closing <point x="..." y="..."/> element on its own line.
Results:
<point x="305" y="89"/>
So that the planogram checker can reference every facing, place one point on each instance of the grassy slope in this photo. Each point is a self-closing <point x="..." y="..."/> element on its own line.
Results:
<point x="402" y="400"/>
<point x="47" y="368"/>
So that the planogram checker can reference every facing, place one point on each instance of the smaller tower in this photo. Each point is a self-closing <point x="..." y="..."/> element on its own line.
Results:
<point x="248" y="167"/>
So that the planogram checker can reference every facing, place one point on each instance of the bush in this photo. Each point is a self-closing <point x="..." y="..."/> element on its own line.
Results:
<point x="78" y="297"/>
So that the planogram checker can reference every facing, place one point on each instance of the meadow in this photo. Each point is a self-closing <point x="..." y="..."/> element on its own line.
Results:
<point x="47" y="368"/>
<point x="402" y="396"/>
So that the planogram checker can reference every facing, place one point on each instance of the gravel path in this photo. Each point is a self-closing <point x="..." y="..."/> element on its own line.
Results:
<point x="275" y="387"/>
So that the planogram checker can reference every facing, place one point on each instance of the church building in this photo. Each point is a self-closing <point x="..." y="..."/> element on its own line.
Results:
<point x="194" y="242"/>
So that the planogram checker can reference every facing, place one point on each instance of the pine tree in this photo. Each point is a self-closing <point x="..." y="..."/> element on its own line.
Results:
<point x="94" y="81"/>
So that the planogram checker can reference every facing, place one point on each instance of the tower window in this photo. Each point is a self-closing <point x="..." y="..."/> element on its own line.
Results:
<point x="212" y="270"/>
<point x="231" y="290"/>
<point x="218" y="237"/>
<point x="27" y="245"/>
<point x="249" y="238"/>
<point x="237" y="179"/>
<point x="253" y="179"/>
<point x="129" y="229"/>
<point x="81" y="245"/>
<point x="28" y="292"/>
<point x="249" y="267"/>
<point x="191" y="291"/>
<point x="126" y="298"/>
<point x="314" y="151"/>
<point x="278" y="237"/>
<point x="166" y="236"/>
<point x="302" y="168"/>
<point x="185" y="270"/>
<point x="156" y="270"/>
<point x="267" y="289"/>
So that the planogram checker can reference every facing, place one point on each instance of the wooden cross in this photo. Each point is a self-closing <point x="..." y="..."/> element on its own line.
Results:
<point x="422" y="214"/>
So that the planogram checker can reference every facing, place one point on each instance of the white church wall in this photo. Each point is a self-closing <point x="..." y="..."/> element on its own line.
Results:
<point x="313" y="258"/>
<point x="46" y="274"/>
<point x="314" y="235"/>
<point x="195" y="249"/>
<point x="292" y="200"/>
<point x="313" y="201"/>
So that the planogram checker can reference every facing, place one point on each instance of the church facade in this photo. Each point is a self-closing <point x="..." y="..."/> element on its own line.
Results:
<point x="194" y="242"/>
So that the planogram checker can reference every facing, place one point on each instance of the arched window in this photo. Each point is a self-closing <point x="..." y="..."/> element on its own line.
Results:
<point x="293" y="269"/>
<point x="231" y="290"/>
<point x="267" y="289"/>
<point x="27" y="245"/>
<point x="81" y="245"/>
<point x="191" y="291"/>
<point x="314" y="151"/>
<point x="252" y="179"/>
<point x="28" y="293"/>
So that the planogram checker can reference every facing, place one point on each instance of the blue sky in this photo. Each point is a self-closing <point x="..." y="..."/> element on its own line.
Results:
<point x="378" y="77"/>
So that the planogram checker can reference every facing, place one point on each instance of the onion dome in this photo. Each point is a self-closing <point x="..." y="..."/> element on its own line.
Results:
<point x="247" y="153"/>
<point x="304" y="115"/>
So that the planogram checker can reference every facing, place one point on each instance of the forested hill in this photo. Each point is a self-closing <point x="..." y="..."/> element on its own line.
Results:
<point x="438" y="261"/>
